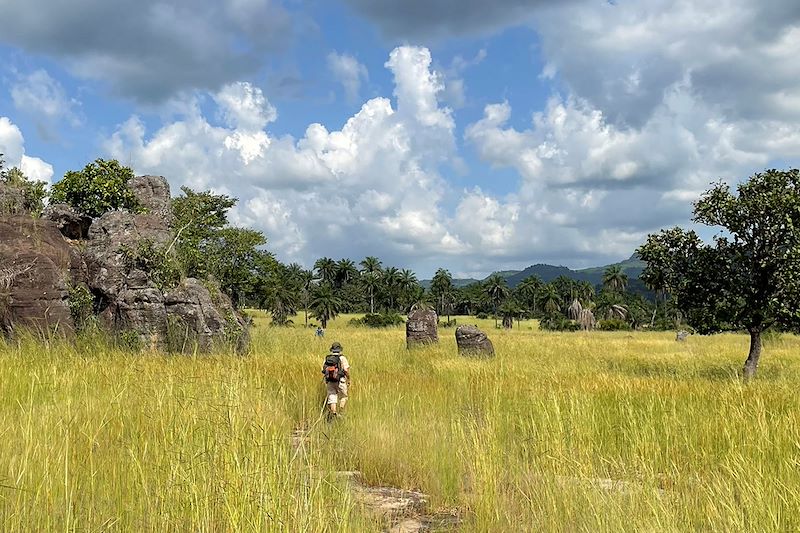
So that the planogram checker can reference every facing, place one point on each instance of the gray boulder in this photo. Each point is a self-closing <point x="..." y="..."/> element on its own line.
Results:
<point x="421" y="328"/>
<point x="109" y="236"/>
<point x="71" y="224"/>
<point x="682" y="335"/>
<point x="193" y="316"/>
<point x="153" y="195"/>
<point x="472" y="342"/>
<point x="140" y="308"/>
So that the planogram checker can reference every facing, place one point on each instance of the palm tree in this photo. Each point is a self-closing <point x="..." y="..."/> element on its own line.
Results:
<point x="441" y="288"/>
<point x="370" y="275"/>
<point x="408" y="286"/>
<point x="306" y="280"/>
<point x="528" y="289"/>
<point x="496" y="289"/>
<point x="324" y="304"/>
<point x="283" y="300"/>
<point x="392" y="281"/>
<point x="615" y="279"/>
<point x="326" y="269"/>
<point x="346" y="272"/>
<point x="550" y="299"/>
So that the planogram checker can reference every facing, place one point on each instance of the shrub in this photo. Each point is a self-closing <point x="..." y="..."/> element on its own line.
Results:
<point x="161" y="267"/>
<point x="100" y="187"/>
<point x="559" y="324"/>
<point x="378" y="320"/>
<point x="448" y="323"/>
<point x="613" y="324"/>
<point x="482" y="316"/>
<point x="81" y="306"/>
<point x="33" y="192"/>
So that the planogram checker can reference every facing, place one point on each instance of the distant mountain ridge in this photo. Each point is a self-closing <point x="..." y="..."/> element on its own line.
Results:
<point x="632" y="267"/>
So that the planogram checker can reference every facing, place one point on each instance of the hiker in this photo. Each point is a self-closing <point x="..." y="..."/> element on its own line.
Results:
<point x="336" y="373"/>
<point x="320" y="332"/>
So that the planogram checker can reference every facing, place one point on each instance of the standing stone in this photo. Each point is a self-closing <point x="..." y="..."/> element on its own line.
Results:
<point x="472" y="342"/>
<point x="153" y="195"/>
<point x="681" y="335"/>
<point x="421" y="328"/>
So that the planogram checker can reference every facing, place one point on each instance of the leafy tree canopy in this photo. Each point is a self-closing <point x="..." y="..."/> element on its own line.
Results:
<point x="33" y="192"/>
<point x="749" y="278"/>
<point x="100" y="187"/>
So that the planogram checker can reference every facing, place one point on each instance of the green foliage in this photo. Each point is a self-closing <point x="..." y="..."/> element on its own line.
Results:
<point x="448" y="323"/>
<point x="559" y="323"/>
<point x="198" y="217"/>
<point x="325" y="305"/>
<point x="160" y="265"/>
<point x="378" y="320"/>
<point x="33" y="192"/>
<point x="749" y="278"/>
<point x="81" y="306"/>
<point x="100" y="187"/>
<point x="613" y="324"/>
<point x="129" y="341"/>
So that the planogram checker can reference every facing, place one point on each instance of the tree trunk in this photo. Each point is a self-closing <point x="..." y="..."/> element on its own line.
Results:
<point x="751" y="365"/>
<point x="371" y="302"/>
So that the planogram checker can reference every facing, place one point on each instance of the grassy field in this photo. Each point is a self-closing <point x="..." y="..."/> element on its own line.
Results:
<point x="560" y="432"/>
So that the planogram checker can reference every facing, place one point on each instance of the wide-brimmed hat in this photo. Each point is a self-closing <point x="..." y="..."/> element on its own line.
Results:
<point x="336" y="347"/>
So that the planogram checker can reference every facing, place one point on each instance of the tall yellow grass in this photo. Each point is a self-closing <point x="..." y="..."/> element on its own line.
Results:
<point x="560" y="432"/>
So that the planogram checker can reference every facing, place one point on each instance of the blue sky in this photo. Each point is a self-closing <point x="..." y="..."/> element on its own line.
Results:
<point x="432" y="133"/>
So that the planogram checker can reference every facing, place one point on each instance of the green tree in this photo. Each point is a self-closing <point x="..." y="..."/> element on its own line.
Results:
<point x="442" y="291"/>
<point x="231" y="256"/>
<point x="749" y="278"/>
<point x="198" y="217"/>
<point x="325" y="305"/>
<point x="326" y="270"/>
<point x="371" y="274"/>
<point x="346" y="272"/>
<point x="284" y="297"/>
<point x="527" y="290"/>
<point x="33" y="192"/>
<point x="550" y="299"/>
<point x="100" y="187"/>
<point x="615" y="279"/>
<point x="496" y="288"/>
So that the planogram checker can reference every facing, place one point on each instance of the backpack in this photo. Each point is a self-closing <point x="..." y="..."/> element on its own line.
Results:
<point x="332" y="368"/>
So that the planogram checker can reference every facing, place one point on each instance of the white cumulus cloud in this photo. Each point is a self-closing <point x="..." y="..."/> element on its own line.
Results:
<point x="12" y="146"/>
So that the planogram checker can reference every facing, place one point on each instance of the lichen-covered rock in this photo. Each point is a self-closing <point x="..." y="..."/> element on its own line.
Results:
<point x="153" y="195"/>
<point x="109" y="236"/>
<point x="37" y="268"/>
<point x="140" y="308"/>
<point x="472" y="342"/>
<point x="194" y="317"/>
<point x="71" y="224"/>
<point x="421" y="328"/>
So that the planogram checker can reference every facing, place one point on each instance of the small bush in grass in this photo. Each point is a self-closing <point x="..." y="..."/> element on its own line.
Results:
<point x="613" y="324"/>
<point x="378" y="320"/>
<point x="559" y="323"/>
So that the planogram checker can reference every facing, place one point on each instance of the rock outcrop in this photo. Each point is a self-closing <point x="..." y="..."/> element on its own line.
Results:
<point x="421" y="328"/>
<point x="71" y="224"/>
<point x="472" y="342"/>
<point x="42" y="259"/>
<point x="37" y="269"/>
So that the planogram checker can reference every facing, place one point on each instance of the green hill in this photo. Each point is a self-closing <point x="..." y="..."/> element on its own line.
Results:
<point x="632" y="266"/>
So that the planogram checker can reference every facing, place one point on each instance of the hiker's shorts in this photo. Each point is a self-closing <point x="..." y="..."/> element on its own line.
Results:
<point x="336" y="391"/>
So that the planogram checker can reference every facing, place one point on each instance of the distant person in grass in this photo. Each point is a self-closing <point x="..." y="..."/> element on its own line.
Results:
<point x="336" y="373"/>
